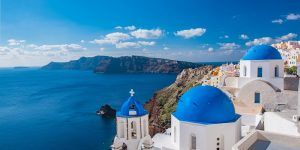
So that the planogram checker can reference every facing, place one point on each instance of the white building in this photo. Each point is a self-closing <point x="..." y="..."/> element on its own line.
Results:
<point x="132" y="126"/>
<point x="205" y="119"/>
<point x="285" y="122"/>
<point x="281" y="132"/>
<point x="261" y="85"/>
<point x="289" y="51"/>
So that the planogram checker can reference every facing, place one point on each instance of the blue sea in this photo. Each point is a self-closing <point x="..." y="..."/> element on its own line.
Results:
<point x="55" y="110"/>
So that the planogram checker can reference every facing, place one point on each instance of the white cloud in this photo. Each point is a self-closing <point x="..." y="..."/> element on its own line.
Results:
<point x="147" y="34"/>
<point x="146" y="43"/>
<point x="293" y="16"/>
<point x="112" y="38"/>
<point x="166" y="48"/>
<point x="127" y="45"/>
<point x="119" y="40"/>
<point x="259" y="41"/>
<point x="118" y="27"/>
<point x="57" y="47"/>
<point x="287" y="37"/>
<point x="229" y="46"/>
<point x="14" y="42"/>
<point x="134" y="44"/>
<point x="102" y="49"/>
<point x="130" y="28"/>
<point x="4" y="50"/>
<point x="190" y="33"/>
<point x="278" y="21"/>
<point x="82" y="41"/>
<point x="244" y="36"/>
<point x="269" y="40"/>
<point x="224" y="37"/>
<point x="210" y="49"/>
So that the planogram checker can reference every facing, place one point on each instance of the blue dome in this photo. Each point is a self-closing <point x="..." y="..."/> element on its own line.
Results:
<point x="131" y="108"/>
<point x="262" y="52"/>
<point x="205" y="105"/>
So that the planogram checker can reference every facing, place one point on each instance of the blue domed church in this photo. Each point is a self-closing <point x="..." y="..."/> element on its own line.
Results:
<point x="204" y="119"/>
<point x="261" y="76"/>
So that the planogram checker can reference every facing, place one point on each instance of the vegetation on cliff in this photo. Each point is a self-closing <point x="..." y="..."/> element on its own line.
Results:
<point x="124" y="64"/>
<point x="164" y="102"/>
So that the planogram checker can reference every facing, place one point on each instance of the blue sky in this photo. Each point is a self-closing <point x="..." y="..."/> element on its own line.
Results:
<point x="35" y="32"/>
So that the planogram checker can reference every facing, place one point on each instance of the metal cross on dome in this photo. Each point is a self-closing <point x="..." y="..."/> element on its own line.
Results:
<point x="131" y="92"/>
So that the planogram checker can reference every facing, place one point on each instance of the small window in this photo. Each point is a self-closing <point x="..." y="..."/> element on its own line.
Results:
<point x="193" y="140"/>
<point x="259" y="72"/>
<point x="175" y="135"/>
<point x="257" y="97"/>
<point x="276" y="71"/>
<point x="245" y="71"/>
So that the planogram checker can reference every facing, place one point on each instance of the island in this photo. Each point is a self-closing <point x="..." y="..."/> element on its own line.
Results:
<point x="124" y="64"/>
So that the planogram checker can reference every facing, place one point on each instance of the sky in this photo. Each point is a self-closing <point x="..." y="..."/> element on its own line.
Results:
<point x="36" y="32"/>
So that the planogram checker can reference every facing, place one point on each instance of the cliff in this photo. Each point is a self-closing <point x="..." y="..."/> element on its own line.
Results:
<point x="163" y="103"/>
<point x="125" y="64"/>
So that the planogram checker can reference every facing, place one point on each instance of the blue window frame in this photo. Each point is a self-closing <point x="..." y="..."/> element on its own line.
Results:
<point x="256" y="97"/>
<point x="259" y="72"/>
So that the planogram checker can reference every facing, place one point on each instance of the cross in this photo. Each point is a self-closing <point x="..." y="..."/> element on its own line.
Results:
<point x="131" y="92"/>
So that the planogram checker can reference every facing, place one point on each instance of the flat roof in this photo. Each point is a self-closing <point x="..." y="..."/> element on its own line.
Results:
<point x="268" y="145"/>
<point x="261" y="140"/>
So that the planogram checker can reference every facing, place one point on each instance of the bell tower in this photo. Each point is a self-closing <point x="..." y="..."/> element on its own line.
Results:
<point x="132" y="126"/>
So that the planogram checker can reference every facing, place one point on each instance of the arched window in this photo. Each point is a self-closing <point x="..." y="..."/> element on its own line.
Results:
<point x="193" y="142"/>
<point x="133" y="130"/>
<point x="276" y="71"/>
<point x="245" y="71"/>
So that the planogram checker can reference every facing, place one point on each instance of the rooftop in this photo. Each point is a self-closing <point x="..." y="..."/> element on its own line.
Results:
<point x="261" y="140"/>
<point x="262" y="52"/>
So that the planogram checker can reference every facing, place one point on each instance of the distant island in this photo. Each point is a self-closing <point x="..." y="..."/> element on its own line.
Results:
<point x="20" y="67"/>
<point x="124" y="64"/>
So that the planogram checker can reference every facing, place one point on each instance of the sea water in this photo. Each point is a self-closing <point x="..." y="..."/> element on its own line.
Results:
<point x="55" y="110"/>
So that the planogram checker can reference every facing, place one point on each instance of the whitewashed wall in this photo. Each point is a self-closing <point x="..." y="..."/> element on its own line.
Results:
<point x="206" y="135"/>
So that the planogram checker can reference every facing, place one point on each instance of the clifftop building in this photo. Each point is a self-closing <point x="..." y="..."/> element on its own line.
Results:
<point x="289" y="51"/>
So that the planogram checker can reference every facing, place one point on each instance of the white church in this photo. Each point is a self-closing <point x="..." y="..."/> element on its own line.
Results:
<point x="206" y="118"/>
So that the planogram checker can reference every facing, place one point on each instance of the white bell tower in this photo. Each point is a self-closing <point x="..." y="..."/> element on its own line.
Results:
<point x="132" y="126"/>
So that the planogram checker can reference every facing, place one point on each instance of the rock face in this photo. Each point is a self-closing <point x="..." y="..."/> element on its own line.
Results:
<point x="125" y="64"/>
<point x="106" y="111"/>
<point x="164" y="102"/>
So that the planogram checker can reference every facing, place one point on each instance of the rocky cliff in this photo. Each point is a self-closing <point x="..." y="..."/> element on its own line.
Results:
<point x="163" y="103"/>
<point x="125" y="64"/>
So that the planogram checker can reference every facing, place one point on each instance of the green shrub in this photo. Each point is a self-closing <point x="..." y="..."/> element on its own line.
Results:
<point x="291" y="70"/>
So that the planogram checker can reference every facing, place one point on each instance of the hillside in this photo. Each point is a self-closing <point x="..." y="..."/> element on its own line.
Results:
<point x="163" y="103"/>
<point x="124" y="64"/>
